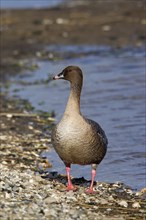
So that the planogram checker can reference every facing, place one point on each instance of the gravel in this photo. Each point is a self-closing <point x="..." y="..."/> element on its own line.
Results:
<point x="28" y="195"/>
<point x="29" y="191"/>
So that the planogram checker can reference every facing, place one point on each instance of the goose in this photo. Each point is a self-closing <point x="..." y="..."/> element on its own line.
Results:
<point x="77" y="139"/>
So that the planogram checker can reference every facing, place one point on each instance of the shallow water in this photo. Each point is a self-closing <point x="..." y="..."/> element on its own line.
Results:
<point x="15" y="4"/>
<point x="113" y="95"/>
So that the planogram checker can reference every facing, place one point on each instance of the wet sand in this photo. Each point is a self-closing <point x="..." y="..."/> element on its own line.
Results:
<point x="24" y="187"/>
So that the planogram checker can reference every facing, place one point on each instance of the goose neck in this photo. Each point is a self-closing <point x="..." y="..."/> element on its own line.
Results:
<point x="73" y="104"/>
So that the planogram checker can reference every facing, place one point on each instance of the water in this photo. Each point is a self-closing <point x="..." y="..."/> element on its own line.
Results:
<point x="113" y="95"/>
<point x="15" y="4"/>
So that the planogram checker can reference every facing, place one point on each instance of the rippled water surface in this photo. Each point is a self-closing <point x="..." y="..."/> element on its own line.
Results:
<point x="113" y="95"/>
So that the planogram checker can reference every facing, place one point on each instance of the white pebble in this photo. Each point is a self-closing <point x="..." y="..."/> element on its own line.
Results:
<point x="106" y="28"/>
<point x="61" y="21"/>
<point x="123" y="203"/>
<point x="136" y="205"/>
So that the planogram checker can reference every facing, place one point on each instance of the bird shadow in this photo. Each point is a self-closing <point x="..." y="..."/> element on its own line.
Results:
<point x="60" y="178"/>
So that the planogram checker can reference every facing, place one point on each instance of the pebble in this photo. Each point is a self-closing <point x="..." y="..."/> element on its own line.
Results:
<point x="3" y="137"/>
<point x="36" y="198"/>
<point x="103" y="201"/>
<point x="136" y="205"/>
<point x="49" y="200"/>
<point x="47" y="22"/>
<point x="106" y="28"/>
<point x="9" y="115"/>
<point x="30" y="127"/>
<point x="123" y="203"/>
<point x="109" y="210"/>
<point x="61" y="21"/>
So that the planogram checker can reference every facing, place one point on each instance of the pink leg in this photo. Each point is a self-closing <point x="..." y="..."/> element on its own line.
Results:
<point x="70" y="185"/>
<point x="90" y="190"/>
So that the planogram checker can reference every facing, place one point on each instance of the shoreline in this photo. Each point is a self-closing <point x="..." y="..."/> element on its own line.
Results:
<point x="24" y="33"/>
<point x="26" y="190"/>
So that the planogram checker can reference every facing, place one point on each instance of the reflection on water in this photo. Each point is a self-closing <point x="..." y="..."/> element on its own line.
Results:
<point x="113" y="95"/>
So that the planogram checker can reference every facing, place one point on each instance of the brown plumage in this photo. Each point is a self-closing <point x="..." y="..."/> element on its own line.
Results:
<point x="76" y="139"/>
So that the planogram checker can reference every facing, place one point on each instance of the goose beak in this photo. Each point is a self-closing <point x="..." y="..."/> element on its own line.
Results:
<point x="59" y="76"/>
<point x="56" y="77"/>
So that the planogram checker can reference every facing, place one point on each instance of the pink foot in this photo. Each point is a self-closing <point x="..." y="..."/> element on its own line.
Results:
<point x="90" y="190"/>
<point x="71" y="187"/>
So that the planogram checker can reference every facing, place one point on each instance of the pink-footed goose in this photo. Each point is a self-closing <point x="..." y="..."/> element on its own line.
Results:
<point x="76" y="139"/>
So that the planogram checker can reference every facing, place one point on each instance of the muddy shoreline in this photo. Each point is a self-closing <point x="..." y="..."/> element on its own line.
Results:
<point x="25" y="32"/>
<point x="26" y="190"/>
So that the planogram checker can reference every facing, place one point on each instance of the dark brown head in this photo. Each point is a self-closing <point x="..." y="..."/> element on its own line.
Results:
<point x="72" y="74"/>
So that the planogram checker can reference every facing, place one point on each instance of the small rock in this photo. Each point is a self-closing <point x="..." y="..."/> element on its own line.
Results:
<point x="49" y="200"/>
<point x="38" y="178"/>
<point x="38" y="54"/>
<point x="50" y="56"/>
<point x="3" y="137"/>
<point x="4" y="162"/>
<point x="103" y="201"/>
<point x="123" y="203"/>
<point x="111" y="198"/>
<point x="7" y="195"/>
<point x="30" y="127"/>
<point x="109" y="210"/>
<point x="106" y="28"/>
<point x="138" y="193"/>
<point x="31" y="181"/>
<point x="129" y="191"/>
<point x="9" y="115"/>
<point x="47" y="22"/>
<point x="136" y="205"/>
<point x="61" y="21"/>
<point x="143" y="191"/>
